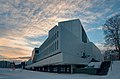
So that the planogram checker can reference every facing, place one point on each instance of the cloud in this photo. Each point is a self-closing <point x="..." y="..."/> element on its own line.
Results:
<point x="14" y="47"/>
<point x="1" y="57"/>
<point x="17" y="60"/>
<point x="116" y="13"/>
<point x="27" y="57"/>
<point x="35" y="41"/>
<point x="94" y="29"/>
<point x="36" y="38"/>
<point x="101" y="47"/>
<point x="104" y="48"/>
<point x="24" y="24"/>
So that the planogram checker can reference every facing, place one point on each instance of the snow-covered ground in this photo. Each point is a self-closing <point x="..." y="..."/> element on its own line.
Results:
<point x="113" y="73"/>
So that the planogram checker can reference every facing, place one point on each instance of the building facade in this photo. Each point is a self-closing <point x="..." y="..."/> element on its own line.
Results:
<point x="67" y="45"/>
<point x="5" y="64"/>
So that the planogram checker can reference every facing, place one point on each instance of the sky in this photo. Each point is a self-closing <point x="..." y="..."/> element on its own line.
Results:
<point x="24" y="24"/>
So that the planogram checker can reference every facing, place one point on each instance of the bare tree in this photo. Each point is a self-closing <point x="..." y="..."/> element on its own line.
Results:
<point x="112" y="32"/>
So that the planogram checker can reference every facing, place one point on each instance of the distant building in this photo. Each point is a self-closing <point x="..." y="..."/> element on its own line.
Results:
<point x="111" y="55"/>
<point x="23" y="65"/>
<point x="67" y="46"/>
<point x="5" y="64"/>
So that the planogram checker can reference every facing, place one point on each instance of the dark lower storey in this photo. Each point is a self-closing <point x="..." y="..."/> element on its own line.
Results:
<point x="103" y="70"/>
<point x="57" y="68"/>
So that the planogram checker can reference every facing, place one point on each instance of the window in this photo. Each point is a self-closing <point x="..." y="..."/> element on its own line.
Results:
<point x="36" y="51"/>
<point x="57" y="33"/>
<point x="84" y="36"/>
<point x="57" y="44"/>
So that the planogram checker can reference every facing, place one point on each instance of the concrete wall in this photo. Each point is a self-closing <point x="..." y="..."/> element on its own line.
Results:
<point x="73" y="47"/>
<point x="93" y="51"/>
<point x="69" y="46"/>
<point x="54" y="60"/>
<point x="72" y="26"/>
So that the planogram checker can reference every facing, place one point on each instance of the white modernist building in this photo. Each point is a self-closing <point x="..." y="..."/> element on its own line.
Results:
<point x="67" y="44"/>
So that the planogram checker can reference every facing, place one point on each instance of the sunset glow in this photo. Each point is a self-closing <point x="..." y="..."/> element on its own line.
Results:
<point x="24" y="24"/>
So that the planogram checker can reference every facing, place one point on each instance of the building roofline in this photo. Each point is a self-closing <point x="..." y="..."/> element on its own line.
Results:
<point x="69" y="20"/>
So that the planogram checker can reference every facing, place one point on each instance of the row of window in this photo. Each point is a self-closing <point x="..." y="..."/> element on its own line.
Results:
<point x="53" y="47"/>
<point x="49" y="40"/>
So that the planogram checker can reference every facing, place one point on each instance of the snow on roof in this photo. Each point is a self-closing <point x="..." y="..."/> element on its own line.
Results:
<point x="95" y="64"/>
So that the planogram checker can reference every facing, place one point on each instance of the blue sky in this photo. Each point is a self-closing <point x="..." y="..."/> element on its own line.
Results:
<point x="24" y="24"/>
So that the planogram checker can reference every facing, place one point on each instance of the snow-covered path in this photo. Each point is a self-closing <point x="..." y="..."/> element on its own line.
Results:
<point x="26" y="74"/>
